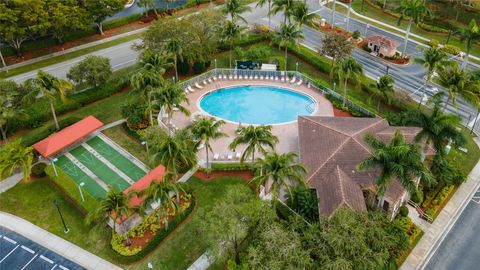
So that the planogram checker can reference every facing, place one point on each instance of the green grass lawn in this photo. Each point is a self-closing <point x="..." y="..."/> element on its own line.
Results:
<point x="467" y="160"/>
<point x="34" y="202"/>
<point x="388" y="19"/>
<point x="118" y="135"/>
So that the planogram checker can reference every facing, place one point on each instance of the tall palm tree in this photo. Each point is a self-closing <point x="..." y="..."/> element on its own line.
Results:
<point x="413" y="11"/>
<point x="148" y="83"/>
<point x="173" y="152"/>
<point x="470" y="34"/>
<point x="398" y="160"/>
<point x="384" y="89"/>
<point x="162" y="192"/>
<point x="288" y="35"/>
<point x="14" y="155"/>
<point x="261" y="3"/>
<point x="279" y="171"/>
<point x="437" y="127"/>
<point x="204" y="129"/>
<point x="49" y="87"/>
<point x="300" y="14"/>
<point x="285" y="6"/>
<point x="155" y="62"/>
<point x="115" y="206"/>
<point x="174" y="47"/>
<point x="458" y="83"/>
<point x="172" y="96"/>
<point x="433" y="58"/>
<point x="234" y="8"/>
<point x="348" y="69"/>
<point x="230" y="32"/>
<point x="256" y="138"/>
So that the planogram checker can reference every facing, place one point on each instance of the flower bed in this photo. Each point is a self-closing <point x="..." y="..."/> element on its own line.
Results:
<point x="147" y="235"/>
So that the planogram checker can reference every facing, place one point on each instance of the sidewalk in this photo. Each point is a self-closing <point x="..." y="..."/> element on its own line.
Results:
<point x="55" y="243"/>
<point x="437" y="231"/>
<point x="10" y="181"/>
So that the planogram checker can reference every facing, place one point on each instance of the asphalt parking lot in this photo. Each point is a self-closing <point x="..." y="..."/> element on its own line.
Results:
<point x="19" y="253"/>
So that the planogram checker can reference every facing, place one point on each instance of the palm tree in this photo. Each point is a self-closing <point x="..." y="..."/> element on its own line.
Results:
<point x="147" y="83"/>
<point x="471" y="34"/>
<point x="155" y="62"/>
<point x="11" y="105"/>
<point x="204" y="129"/>
<point x="413" y="11"/>
<point x="256" y="138"/>
<point x="174" y="47"/>
<point x="171" y="96"/>
<point x="173" y="152"/>
<point x="162" y="192"/>
<point x="261" y="3"/>
<point x="285" y="6"/>
<point x="384" y="88"/>
<point x="396" y="160"/>
<point x="234" y="8"/>
<point x="230" y="32"/>
<point x="433" y="58"/>
<point x="301" y="15"/>
<point x="458" y="83"/>
<point x="288" y="35"/>
<point x="437" y="127"/>
<point x="279" y="171"/>
<point x="346" y="69"/>
<point x="13" y="155"/>
<point x="115" y="207"/>
<point x="49" y="87"/>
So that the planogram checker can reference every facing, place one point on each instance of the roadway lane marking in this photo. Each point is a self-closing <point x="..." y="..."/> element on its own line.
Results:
<point x="10" y="240"/>
<point x="29" y="262"/>
<point x="9" y="253"/>
<point x="123" y="63"/>
<point x="27" y="249"/>
<point x="63" y="267"/>
<point x="46" y="259"/>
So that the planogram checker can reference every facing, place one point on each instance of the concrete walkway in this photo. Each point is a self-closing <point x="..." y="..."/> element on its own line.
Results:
<point x="10" y="181"/>
<point x="416" y="219"/>
<point x="55" y="243"/>
<point x="437" y="231"/>
<point x="202" y="263"/>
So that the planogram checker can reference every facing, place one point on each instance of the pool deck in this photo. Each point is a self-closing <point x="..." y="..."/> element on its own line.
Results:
<point x="286" y="133"/>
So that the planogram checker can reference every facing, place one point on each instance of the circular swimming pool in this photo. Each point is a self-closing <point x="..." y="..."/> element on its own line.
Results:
<point x="258" y="105"/>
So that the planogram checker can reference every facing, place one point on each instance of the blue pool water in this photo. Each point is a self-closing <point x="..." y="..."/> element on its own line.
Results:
<point x="260" y="105"/>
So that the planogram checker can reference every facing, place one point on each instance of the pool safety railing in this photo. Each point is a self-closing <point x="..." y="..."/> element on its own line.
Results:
<point x="235" y="74"/>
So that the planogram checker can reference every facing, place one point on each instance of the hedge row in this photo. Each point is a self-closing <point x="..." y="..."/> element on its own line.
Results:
<point x="437" y="202"/>
<point x="164" y="233"/>
<point x="338" y="103"/>
<point x="40" y="135"/>
<point x="69" y="189"/>
<point x="230" y="166"/>
<point x="39" y="112"/>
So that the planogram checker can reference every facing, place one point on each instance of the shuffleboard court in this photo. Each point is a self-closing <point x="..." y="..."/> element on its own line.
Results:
<point x="121" y="162"/>
<point x="80" y="176"/>
<point x="100" y="169"/>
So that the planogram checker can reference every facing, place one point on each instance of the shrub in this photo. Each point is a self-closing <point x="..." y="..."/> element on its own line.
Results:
<point x="356" y="34"/>
<point x="230" y="166"/>
<point x="258" y="53"/>
<point x="417" y="197"/>
<point x="40" y="135"/>
<point x="93" y="70"/>
<point x="338" y="103"/>
<point x="183" y="68"/>
<point x="432" y="28"/>
<point x="198" y="67"/>
<point x="451" y="49"/>
<point x="134" y="111"/>
<point x="38" y="169"/>
<point x="403" y="211"/>
<point x="304" y="201"/>
<point x="433" y="43"/>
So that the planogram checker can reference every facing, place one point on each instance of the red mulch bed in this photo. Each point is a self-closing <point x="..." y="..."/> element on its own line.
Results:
<point x="340" y="113"/>
<point x="328" y="29"/>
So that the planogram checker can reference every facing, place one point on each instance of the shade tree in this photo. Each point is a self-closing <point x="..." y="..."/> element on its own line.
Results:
<point x="93" y="70"/>
<point x="256" y="138"/>
<point x="99" y="10"/>
<point x="336" y="46"/>
<point x="11" y="105"/>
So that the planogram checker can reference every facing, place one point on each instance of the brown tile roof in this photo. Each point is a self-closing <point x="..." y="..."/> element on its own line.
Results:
<point x="337" y="190"/>
<point x="384" y="42"/>
<point x="334" y="143"/>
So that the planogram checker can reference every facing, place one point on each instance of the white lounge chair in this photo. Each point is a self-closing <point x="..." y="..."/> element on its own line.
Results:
<point x="201" y="146"/>
<point x="214" y="78"/>
<point x="267" y="77"/>
<point x="198" y="85"/>
<point x="251" y="77"/>
<point x="235" y="77"/>
<point x="189" y="88"/>
<point x="255" y="77"/>
<point x="230" y="76"/>
<point x="238" y="155"/>
<point x="216" y="156"/>
<point x="224" y="77"/>
<point x="293" y="80"/>
<point x="210" y="80"/>
<point x="299" y="82"/>
<point x="230" y="156"/>
<point x="282" y="79"/>
<point x="261" y="77"/>
<point x="186" y="91"/>
<point x="240" y="77"/>
<point x="276" y="78"/>
<point x="205" y="82"/>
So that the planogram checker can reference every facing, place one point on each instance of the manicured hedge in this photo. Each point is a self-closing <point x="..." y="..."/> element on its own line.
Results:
<point x="69" y="190"/>
<point x="40" y="135"/>
<point x="164" y="233"/>
<point x="245" y="41"/>
<point x="230" y="166"/>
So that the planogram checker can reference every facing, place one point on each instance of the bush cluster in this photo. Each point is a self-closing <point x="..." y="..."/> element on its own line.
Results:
<point x="38" y="169"/>
<point x="434" y="201"/>
<point x="231" y="166"/>
<point x="451" y="49"/>
<point x="347" y="108"/>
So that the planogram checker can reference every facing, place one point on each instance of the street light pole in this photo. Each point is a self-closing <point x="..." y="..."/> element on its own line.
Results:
<point x="65" y="230"/>
<point x="53" y="165"/>
<point x="146" y="145"/>
<point x="80" y="189"/>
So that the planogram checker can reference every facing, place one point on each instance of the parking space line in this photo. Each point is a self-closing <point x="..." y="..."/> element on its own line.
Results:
<point x="46" y="259"/>
<point x="27" y="249"/>
<point x="63" y="267"/>
<point x="476" y="200"/>
<point x="9" y="253"/>
<point x="10" y="240"/>
<point x="29" y="262"/>
<point x="55" y="266"/>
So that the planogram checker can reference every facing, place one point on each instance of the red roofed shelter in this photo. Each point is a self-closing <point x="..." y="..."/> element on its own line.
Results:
<point x="144" y="183"/>
<point x="66" y="137"/>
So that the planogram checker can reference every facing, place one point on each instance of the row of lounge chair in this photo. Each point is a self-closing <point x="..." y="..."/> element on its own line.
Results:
<point x="284" y="79"/>
<point x="229" y="156"/>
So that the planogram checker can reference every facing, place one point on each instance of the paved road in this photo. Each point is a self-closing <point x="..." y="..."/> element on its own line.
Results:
<point x="409" y="78"/>
<point x="18" y="253"/>
<point x="460" y="250"/>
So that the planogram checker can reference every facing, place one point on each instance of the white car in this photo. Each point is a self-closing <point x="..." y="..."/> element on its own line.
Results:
<point x="432" y="89"/>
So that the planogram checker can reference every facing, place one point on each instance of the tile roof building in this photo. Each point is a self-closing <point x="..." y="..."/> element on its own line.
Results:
<point x="332" y="147"/>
